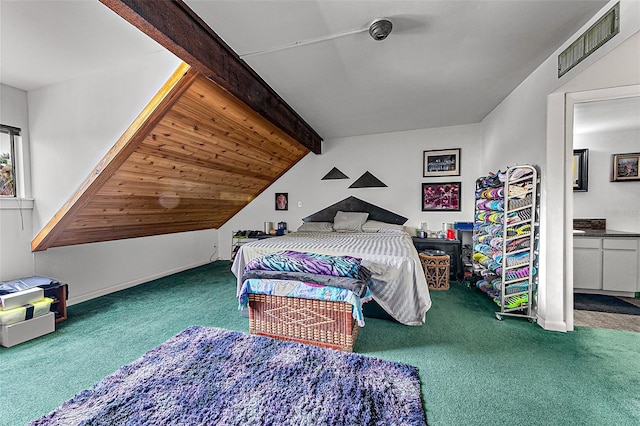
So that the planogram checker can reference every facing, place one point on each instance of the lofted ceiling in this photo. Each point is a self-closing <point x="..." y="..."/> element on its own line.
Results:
<point x="445" y="62"/>
<point x="205" y="146"/>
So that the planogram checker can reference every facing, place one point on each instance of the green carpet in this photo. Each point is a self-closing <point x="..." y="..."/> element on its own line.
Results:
<point x="474" y="369"/>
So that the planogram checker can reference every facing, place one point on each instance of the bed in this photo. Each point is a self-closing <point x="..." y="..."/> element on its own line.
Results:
<point x="397" y="282"/>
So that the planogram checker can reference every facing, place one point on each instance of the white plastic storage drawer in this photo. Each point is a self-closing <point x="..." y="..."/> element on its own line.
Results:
<point x="620" y="243"/>
<point x="14" y="334"/>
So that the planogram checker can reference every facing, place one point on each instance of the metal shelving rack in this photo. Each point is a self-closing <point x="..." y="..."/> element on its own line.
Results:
<point x="519" y="266"/>
<point x="510" y="231"/>
<point x="237" y="241"/>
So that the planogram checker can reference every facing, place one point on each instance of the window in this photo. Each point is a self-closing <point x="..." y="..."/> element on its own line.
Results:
<point x="8" y="136"/>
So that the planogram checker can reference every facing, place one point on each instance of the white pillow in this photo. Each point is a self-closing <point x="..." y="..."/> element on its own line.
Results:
<point x="349" y="221"/>
<point x="377" y="226"/>
<point x="316" y="227"/>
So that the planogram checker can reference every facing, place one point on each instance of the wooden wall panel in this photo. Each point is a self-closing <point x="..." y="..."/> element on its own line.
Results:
<point x="205" y="157"/>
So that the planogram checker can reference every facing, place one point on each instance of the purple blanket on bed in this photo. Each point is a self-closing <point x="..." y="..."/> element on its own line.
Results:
<point x="314" y="263"/>
<point x="355" y="285"/>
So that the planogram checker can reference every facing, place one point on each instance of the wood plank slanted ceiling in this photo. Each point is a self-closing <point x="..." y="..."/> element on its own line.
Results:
<point x="191" y="160"/>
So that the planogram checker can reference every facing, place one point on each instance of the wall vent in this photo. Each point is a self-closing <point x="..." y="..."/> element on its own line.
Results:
<point x="597" y="35"/>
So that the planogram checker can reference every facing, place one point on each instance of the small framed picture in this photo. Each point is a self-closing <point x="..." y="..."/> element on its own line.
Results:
<point x="625" y="167"/>
<point x="441" y="162"/>
<point x="282" y="201"/>
<point x="580" y="170"/>
<point x="441" y="196"/>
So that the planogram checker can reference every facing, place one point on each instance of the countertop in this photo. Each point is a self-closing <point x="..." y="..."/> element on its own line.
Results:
<point x="603" y="233"/>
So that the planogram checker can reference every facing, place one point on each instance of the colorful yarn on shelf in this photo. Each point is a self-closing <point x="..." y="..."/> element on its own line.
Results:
<point x="518" y="259"/>
<point x="519" y="244"/>
<point x="519" y="274"/>
<point x="493" y="193"/>
<point x="489" y="217"/>
<point x="520" y="202"/>
<point x="490" y="205"/>
<point x="519" y="172"/>
<point x="519" y="230"/>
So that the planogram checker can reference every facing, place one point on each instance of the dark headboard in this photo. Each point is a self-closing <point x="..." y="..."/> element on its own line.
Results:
<point x="353" y="204"/>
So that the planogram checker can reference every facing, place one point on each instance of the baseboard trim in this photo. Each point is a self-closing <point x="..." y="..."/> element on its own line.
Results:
<point x="129" y="284"/>
<point x="552" y="325"/>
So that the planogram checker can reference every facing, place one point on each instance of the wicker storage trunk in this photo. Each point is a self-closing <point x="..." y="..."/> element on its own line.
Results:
<point x="315" y="322"/>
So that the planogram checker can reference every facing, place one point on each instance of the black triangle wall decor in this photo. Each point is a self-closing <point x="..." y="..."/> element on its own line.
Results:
<point x="335" y="174"/>
<point x="367" y="180"/>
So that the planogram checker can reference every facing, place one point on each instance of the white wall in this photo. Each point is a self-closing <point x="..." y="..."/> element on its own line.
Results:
<point x="16" y="259"/>
<point x="77" y="122"/>
<point x="617" y="202"/>
<point x="97" y="269"/>
<point x="72" y="125"/>
<point x="15" y="222"/>
<point x="516" y="132"/>
<point x="394" y="158"/>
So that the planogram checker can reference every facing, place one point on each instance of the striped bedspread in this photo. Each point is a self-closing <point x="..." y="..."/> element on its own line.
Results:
<point x="397" y="279"/>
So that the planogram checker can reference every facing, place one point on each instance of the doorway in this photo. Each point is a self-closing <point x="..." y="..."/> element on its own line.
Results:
<point x="601" y="123"/>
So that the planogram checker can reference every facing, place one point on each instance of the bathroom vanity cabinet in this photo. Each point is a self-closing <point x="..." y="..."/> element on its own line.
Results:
<point x="607" y="263"/>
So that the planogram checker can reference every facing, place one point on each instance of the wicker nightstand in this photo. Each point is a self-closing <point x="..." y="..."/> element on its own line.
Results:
<point x="452" y="247"/>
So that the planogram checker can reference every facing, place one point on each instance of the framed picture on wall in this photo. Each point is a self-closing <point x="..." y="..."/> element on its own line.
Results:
<point x="441" y="162"/>
<point x="580" y="170"/>
<point x="625" y="167"/>
<point x="441" y="196"/>
<point x="282" y="201"/>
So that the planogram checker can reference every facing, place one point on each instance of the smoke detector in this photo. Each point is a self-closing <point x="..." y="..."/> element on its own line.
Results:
<point x="380" y="29"/>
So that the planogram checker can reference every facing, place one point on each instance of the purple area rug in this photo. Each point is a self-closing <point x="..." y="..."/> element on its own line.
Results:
<point x="213" y="376"/>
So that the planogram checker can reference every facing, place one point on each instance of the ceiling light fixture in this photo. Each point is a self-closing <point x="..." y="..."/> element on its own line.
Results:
<point x="379" y="29"/>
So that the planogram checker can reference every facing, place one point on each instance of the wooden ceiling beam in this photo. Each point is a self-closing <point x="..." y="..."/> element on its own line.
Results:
<point x="176" y="27"/>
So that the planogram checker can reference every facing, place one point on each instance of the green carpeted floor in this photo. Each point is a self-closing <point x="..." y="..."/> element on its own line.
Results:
<point x="474" y="369"/>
